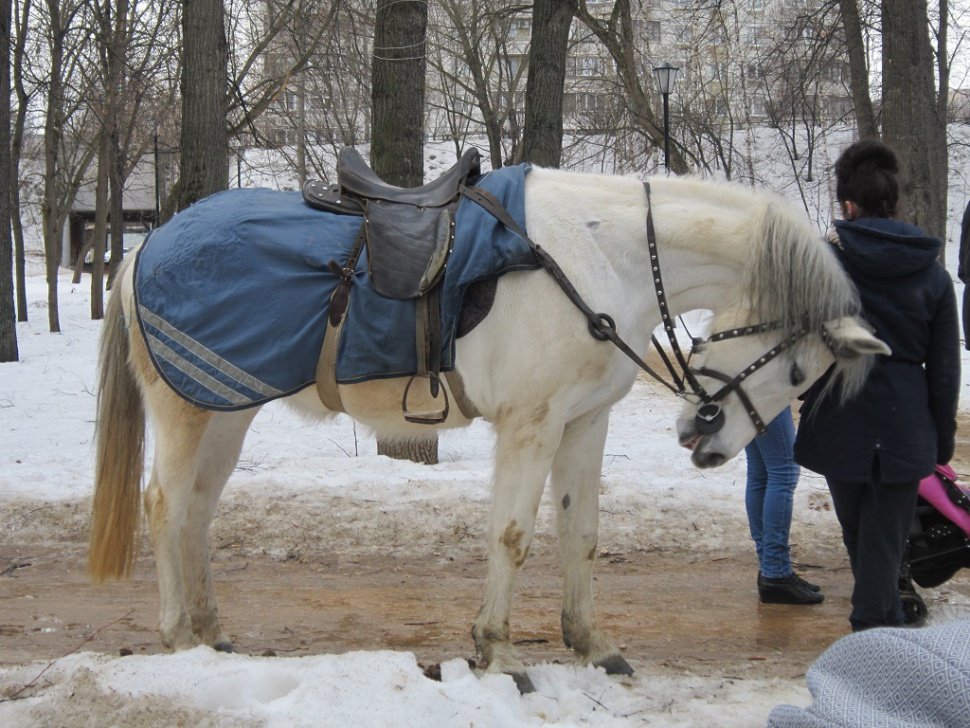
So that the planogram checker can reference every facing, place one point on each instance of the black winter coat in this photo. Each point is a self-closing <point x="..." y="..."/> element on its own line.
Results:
<point x="903" y="421"/>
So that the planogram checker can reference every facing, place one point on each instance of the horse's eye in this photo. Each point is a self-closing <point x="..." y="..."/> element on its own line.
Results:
<point x="796" y="375"/>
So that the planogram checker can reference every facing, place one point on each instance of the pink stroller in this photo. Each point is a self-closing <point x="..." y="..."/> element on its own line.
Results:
<point x="939" y="541"/>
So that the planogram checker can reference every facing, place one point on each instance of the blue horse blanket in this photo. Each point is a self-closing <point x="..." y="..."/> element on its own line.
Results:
<point x="232" y="293"/>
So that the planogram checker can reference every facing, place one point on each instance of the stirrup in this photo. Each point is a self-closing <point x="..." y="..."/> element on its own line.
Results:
<point x="425" y="418"/>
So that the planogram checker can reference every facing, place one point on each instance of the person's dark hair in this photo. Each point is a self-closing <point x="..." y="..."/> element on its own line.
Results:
<point x="865" y="173"/>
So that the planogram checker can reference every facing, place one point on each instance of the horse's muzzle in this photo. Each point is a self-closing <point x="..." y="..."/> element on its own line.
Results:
<point x="707" y="458"/>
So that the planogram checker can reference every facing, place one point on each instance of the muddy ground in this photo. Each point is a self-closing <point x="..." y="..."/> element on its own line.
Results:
<point x="290" y="584"/>
<point x="697" y="614"/>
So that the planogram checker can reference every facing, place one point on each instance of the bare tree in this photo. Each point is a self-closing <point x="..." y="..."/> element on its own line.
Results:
<point x="911" y="119"/>
<point x="204" y="161"/>
<point x="542" y="135"/>
<point x="484" y="82"/>
<point x="804" y="81"/>
<point x="66" y="129"/>
<point x="135" y="49"/>
<point x="313" y="80"/>
<point x="397" y="137"/>
<point x="858" y="69"/>
<point x="8" y="323"/>
<point x="111" y="24"/>
<point x="617" y="34"/>
<point x="23" y="97"/>
<point x="397" y="91"/>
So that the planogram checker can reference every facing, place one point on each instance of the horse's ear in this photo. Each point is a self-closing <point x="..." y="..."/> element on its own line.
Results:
<point x="852" y="338"/>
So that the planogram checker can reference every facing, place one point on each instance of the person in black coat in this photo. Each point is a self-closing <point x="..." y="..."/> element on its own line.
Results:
<point x="874" y="449"/>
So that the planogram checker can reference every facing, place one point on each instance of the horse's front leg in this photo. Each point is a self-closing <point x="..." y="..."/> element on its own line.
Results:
<point x="526" y="442"/>
<point x="576" y="484"/>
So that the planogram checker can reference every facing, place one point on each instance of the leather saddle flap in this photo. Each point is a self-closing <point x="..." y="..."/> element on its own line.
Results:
<point x="407" y="247"/>
<point x="319" y="195"/>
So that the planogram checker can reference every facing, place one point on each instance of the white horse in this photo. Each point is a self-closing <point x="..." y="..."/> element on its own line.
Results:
<point x="533" y="370"/>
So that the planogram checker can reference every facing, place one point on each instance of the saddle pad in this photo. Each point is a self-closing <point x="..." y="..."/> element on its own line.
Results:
<point x="232" y="293"/>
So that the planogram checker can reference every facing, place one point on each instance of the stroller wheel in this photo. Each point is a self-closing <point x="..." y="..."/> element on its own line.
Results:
<point x="915" y="610"/>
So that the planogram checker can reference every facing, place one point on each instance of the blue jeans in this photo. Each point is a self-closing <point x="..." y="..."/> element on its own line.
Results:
<point x="772" y="477"/>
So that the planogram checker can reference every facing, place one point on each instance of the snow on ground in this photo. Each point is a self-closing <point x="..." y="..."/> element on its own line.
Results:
<point x="46" y="417"/>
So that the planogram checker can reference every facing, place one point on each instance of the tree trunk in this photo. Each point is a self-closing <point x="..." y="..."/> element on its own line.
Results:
<point x="858" y="70"/>
<point x="53" y="131"/>
<point x="204" y="165"/>
<point x="8" y="322"/>
<point x="910" y="119"/>
<point x="542" y="136"/>
<point x="117" y="52"/>
<point x="100" y="228"/>
<point x="16" y="146"/>
<point x="397" y="134"/>
<point x="940" y="164"/>
<point x="419" y="451"/>
<point x="397" y="92"/>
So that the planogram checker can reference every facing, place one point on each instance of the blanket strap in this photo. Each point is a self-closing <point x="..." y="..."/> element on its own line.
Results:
<point x="326" y="373"/>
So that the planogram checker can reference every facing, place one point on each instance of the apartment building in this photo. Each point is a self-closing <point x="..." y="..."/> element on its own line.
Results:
<point x="746" y="61"/>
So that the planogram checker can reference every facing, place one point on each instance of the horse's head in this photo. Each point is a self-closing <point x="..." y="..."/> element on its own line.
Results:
<point x="746" y="374"/>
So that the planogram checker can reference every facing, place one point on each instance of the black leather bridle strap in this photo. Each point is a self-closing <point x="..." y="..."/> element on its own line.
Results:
<point x="752" y="330"/>
<point x="733" y="384"/>
<point x="601" y="325"/>
<point x="665" y="316"/>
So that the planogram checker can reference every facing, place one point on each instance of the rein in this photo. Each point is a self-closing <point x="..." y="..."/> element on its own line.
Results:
<point x="710" y="417"/>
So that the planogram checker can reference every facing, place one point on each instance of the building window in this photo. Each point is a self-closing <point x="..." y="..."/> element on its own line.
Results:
<point x="587" y="66"/>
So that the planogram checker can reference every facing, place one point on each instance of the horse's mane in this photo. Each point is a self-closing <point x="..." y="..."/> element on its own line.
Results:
<point x="790" y="273"/>
<point x="792" y="276"/>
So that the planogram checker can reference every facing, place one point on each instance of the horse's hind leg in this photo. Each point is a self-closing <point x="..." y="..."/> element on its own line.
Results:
<point x="576" y="484"/>
<point x="219" y="452"/>
<point x="525" y="445"/>
<point x="179" y="432"/>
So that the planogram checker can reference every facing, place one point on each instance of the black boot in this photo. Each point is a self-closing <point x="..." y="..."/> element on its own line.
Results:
<point x="799" y="580"/>
<point x="915" y="610"/>
<point x="790" y="589"/>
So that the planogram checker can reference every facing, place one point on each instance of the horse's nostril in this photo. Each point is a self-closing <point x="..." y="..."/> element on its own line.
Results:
<point x="713" y="459"/>
<point x="708" y="459"/>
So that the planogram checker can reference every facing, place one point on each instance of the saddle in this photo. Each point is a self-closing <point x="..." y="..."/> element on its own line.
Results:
<point x="409" y="233"/>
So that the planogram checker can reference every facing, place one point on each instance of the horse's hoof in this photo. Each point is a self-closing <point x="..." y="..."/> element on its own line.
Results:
<point x="615" y="665"/>
<point x="522" y="682"/>
<point x="223" y="647"/>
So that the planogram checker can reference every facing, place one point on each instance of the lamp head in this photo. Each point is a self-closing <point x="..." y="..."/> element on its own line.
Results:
<point x="666" y="75"/>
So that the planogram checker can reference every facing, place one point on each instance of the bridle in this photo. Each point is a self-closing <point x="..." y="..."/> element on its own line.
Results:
<point x="709" y="417"/>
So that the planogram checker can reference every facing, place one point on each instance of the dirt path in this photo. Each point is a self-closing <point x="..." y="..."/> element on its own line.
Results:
<point x="290" y="584"/>
<point x="696" y="615"/>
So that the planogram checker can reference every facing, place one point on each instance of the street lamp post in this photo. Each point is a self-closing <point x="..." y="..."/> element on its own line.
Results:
<point x="666" y="75"/>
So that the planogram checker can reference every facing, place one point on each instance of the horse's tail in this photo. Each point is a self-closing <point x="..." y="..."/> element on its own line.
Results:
<point x="120" y="449"/>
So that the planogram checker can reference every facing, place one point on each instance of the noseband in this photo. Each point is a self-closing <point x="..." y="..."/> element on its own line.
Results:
<point x="710" y="417"/>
